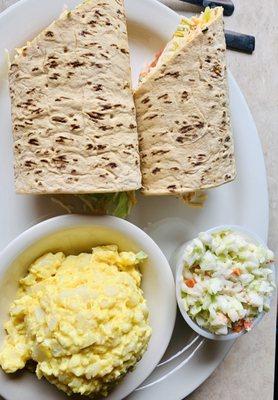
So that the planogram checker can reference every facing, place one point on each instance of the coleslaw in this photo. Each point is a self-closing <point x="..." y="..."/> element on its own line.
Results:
<point x="226" y="281"/>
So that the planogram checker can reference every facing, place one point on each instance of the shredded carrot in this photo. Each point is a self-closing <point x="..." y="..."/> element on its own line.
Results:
<point x="247" y="325"/>
<point x="156" y="58"/>
<point x="237" y="272"/>
<point x="152" y="64"/>
<point x="190" y="282"/>
<point x="143" y="73"/>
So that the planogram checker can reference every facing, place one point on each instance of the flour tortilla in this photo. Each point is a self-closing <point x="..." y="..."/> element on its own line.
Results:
<point x="73" y="113"/>
<point x="183" y="118"/>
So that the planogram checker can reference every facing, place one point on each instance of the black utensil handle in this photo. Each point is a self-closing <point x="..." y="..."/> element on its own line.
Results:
<point x="228" y="5"/>
<point x="240" y="42"/>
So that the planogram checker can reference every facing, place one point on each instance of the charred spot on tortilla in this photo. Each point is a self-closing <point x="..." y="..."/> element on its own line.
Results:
<point x="186" y="128"/>
<point x="62" y="120"/>
<point x="49" y="34"/>
<point x="112" y="165"/>
<point x="74" y="127"/>
<point x="163" y="96"/>
<point x="34" y="142"/>
<point x="54" y="76"/>
<point x="52" y="64"/>
<point x="145" y="100"/>
<point x="152" y="116"/>
<point x="184" y="95"/>
<point x="170" y="74"/>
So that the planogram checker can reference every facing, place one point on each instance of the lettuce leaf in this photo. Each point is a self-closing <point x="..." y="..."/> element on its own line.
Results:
<point x="117" y="204"/>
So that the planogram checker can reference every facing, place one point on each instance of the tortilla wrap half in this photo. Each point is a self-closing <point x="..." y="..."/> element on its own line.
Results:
<point x="183" y="116"/>
<point x="73" y="114"/>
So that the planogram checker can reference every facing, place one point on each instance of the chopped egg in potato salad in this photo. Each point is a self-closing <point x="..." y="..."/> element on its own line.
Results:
<point x="82" y="319"/>
<point x="226" y="281"/>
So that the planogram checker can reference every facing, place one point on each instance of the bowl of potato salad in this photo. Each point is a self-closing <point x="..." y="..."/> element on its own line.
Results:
<point x="81" y="307"/>
<point x="224" y="282"/>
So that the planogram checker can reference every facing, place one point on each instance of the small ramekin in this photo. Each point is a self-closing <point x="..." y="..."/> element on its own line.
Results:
<point x="179" y="263"/>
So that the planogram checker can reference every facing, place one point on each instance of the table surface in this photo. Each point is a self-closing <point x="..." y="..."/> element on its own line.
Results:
<point x="248" y="370"/>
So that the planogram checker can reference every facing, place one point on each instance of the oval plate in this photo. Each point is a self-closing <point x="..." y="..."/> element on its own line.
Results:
<point x="189" y="359"/>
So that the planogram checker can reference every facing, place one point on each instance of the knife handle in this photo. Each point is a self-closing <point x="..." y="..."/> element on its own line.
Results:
<point x="240" y="42"/>
<point x="227" y="5"/>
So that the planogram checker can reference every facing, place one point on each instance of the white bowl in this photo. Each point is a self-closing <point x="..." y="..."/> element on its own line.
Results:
<point x="74" y="234"/>
<point x="178" y="261"/>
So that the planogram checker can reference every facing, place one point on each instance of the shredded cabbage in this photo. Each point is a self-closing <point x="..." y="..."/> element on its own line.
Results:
<point x="186" y="30"/>
<point x="226" y="281"/>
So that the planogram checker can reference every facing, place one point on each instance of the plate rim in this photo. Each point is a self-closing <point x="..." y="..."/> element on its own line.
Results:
<point x="9" y="11"/>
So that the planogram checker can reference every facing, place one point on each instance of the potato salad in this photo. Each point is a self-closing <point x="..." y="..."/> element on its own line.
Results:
<point x="82" y="320"/>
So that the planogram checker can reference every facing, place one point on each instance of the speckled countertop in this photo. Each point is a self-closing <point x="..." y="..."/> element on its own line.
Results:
<point x="247" y="373"/>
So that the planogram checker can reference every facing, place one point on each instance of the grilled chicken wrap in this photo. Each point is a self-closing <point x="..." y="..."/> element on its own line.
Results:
<point x="73" y="112"/>
<point x="183" y="116"/>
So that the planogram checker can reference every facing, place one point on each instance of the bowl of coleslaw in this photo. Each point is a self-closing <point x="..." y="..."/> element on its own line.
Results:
<point x="225" y="279"/>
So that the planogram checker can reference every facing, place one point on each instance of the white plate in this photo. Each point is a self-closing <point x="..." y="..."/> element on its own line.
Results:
<point x="189" y="359"/>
